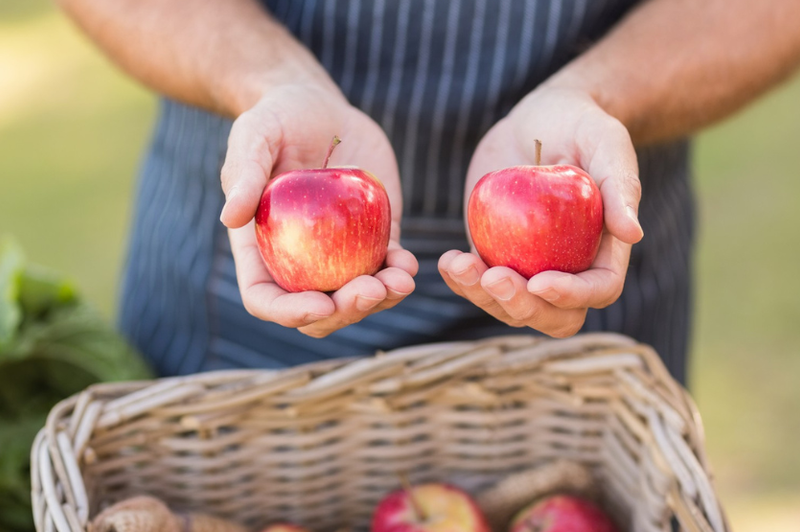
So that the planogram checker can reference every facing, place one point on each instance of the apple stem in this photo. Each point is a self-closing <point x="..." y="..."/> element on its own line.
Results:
<point x="335" y="142"/>
<point x="418" y="511"/>
<point x="537" y="145"/>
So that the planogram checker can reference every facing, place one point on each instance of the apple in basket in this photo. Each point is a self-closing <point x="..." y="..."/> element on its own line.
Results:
<point x="433" y="507"/>
<point x="562" y="513"/>
<point x="536" y="218"/>
<point x="284" y="527"/>
<point x="318" y="229"/>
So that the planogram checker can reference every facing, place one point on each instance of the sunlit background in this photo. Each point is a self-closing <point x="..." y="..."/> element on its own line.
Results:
<point x="72" y="129"/>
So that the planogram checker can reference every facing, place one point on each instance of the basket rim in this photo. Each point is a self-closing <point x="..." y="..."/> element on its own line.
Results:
<point x="53" y="461"/>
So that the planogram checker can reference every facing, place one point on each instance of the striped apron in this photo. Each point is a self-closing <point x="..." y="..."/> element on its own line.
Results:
<point x="436" y="75"/>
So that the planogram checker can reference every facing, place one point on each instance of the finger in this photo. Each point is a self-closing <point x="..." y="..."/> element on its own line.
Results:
<point x="398" y="283"/>
<point x="262" y="297"/>
<point x="525" y="309"/>
<point x="247" y="169"/>
<point x="397" y="257"/>
<point x="462" y="272"/>
<point x="615" y="168"/>
<point x="354" y="301"/>
<point x="444" y="270"/>
<point x="395" y="291"/>
<point x="597" y="287"/>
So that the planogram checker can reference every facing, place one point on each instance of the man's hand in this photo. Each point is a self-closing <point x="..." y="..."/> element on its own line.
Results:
<point x="573" y="130"/>
<point x="290" y="128"/>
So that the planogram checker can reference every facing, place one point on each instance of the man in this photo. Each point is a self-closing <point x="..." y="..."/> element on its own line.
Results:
<point x="450" y="90"/>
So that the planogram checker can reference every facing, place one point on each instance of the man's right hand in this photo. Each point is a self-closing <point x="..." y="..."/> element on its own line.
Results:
<point x="235" y="59"/>
<point x="290" y="128"/>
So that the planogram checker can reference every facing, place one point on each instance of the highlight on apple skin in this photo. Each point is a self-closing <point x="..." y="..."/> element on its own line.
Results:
<point x="318" y="229"/>
<point x="433" y="507"/>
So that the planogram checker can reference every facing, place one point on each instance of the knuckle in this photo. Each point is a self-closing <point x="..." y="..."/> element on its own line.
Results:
<point x="528" y="314"/>
<point x="250" y="307"/>
<point x="315" y="332"/>
<point x="227" y="174"/>
<point x="570" y="327"/>
<point x="241" y="126"/>
<point x="558" y="333"/>
<point x="611" y="297"/>
<point x="618" y="129"/>
<point x="566" y="331"/>
<point x="632" y="185"/>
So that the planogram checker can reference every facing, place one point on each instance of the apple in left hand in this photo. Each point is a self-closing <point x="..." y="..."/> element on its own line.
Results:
<point x="318" y="229"/>
<point x="536" y="218"/>
<point x="433" y="507"/>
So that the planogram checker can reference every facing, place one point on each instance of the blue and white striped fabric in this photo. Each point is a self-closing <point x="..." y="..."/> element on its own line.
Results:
<point x="436" y="75"/>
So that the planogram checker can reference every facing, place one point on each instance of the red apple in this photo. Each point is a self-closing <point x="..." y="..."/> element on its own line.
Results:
<point x="318" y="229"/>
<point x="536" y="218"/>
<point x="428" y="508"/>
<point x="562" y="513"/>
<point x="284" y="527"/>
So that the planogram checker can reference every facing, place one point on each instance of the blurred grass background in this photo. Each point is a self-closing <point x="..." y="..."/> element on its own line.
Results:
<point x="72" y="129"/>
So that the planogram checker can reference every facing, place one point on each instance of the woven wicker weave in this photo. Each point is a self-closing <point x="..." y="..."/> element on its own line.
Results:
<point x="320" y="444"/>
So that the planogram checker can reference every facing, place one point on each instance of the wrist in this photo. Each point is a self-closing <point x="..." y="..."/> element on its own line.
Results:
<point x="605" y="90"/>
<point x="283" y="61"/>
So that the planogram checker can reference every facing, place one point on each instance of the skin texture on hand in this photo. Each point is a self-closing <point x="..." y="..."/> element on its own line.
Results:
<point x="291" y="128"/>
<point x="573" y="130"/>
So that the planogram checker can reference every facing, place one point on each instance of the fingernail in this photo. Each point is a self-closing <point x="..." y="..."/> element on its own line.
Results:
<point x="632" y="216"/>
<point x="502" y="289"/>
<point x="548" y="294"/>
<point x="364" y="303"/>
<point x="232" y="193"/>
<point x="312" y="318"/>
<point x="396" y="294"/>
<point x="468" y="277"/>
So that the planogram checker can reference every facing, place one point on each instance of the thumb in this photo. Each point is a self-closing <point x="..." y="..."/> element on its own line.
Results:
<point x="616" y="170"/>
<point x="247" y="169"/>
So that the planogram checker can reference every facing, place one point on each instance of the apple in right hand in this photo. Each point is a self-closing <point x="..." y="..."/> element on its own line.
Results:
<point x="536" y="218"/>
<point x="433" y="507"/>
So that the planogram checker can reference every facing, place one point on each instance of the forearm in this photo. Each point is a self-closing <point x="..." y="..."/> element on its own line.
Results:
<point x="222" y="56"/>
<point x="673" y="66"/>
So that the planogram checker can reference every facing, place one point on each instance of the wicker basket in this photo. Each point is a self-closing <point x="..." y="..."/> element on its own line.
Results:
<point x="320" y="444"/>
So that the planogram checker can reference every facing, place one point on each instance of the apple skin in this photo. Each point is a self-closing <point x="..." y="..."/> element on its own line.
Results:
<point x="284" y="527"/>
<point x="536" y="218"/>
<point x="445" y="507"/>
<point x="318" y="229"/>
<point x="562" y="513"/>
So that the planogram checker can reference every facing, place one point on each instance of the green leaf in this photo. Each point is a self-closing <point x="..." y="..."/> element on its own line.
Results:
<point x="41" y="290"/>
<point x="50" y="359"/>
<point x="11" y="265"/>
<point x="16" y="438"/>
<point x="52" y="345"/>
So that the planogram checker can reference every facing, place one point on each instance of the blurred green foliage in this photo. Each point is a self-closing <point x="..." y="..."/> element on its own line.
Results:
<point x="52" y="345"/>
<point x="72" y="130"/>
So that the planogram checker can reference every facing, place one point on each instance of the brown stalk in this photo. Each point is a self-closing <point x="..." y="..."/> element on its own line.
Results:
<point x="415" y="505"/>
